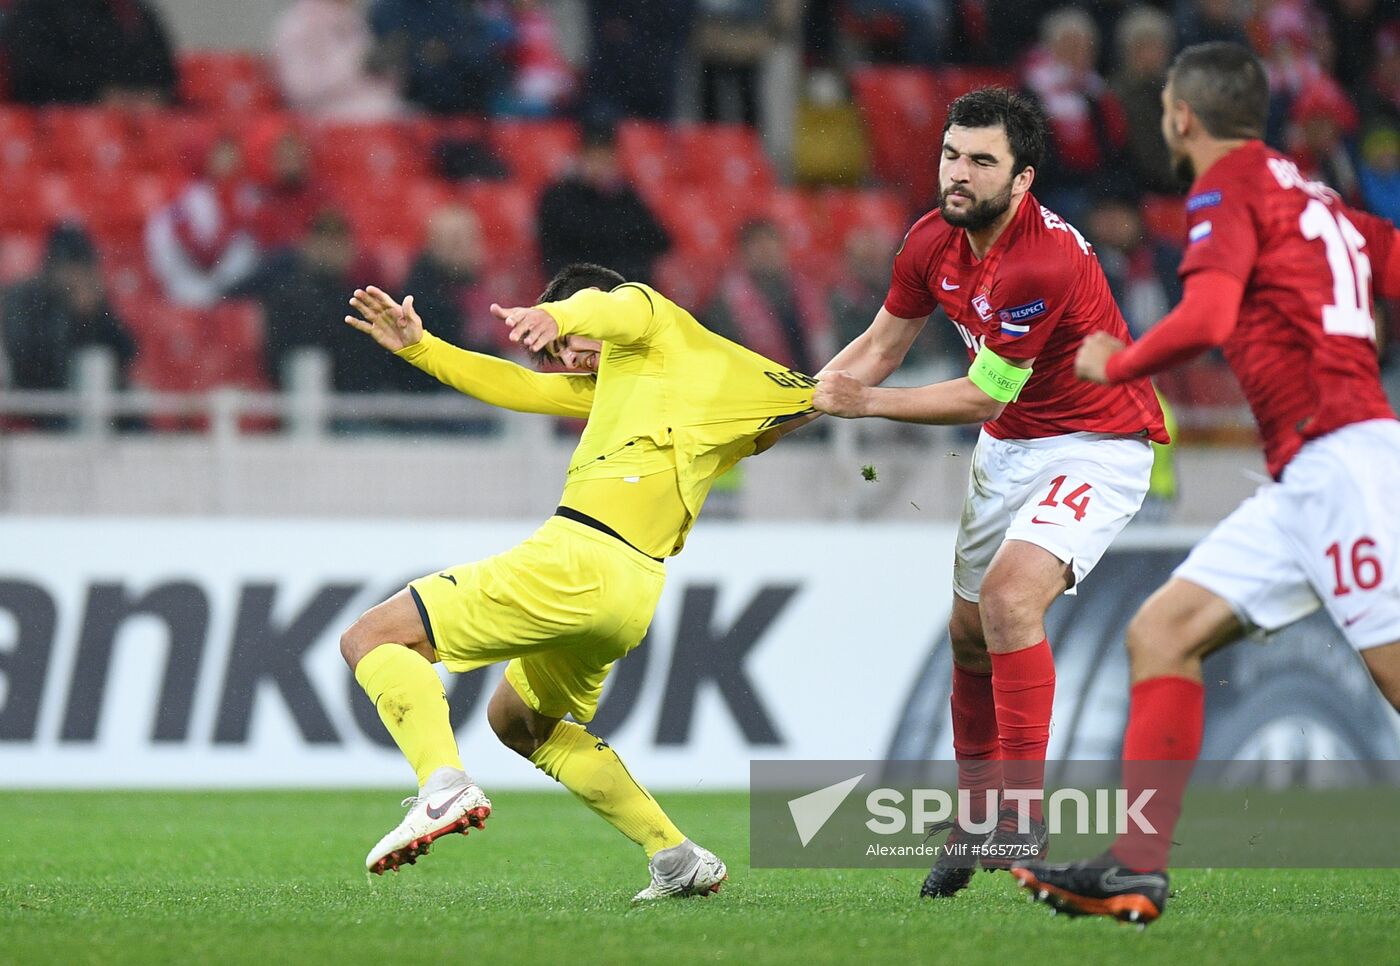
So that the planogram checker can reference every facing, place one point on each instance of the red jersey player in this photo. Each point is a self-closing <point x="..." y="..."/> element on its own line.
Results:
<point x="1279" y="273"/>
<point x="1059" y="469"/>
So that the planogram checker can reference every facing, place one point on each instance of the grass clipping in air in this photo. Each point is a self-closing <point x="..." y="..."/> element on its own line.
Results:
<point x="868" y="473"/>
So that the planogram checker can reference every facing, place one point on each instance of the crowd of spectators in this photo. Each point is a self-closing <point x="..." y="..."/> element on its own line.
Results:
<point x="460" y="150"/>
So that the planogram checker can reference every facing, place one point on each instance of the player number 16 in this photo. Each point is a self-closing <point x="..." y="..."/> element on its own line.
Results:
<point x="1365" y="567"/>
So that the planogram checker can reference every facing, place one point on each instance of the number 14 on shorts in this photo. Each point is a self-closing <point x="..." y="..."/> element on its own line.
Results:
<point x="1060" y="494"/>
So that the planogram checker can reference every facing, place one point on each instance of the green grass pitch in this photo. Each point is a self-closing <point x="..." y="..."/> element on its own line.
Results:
<point x="277" y="877"/>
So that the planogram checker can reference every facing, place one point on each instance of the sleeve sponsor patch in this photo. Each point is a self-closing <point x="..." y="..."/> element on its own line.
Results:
<point x="1015" y="321"/>
<point x="1200" y="232"/>
<point x="1206" y="199"/>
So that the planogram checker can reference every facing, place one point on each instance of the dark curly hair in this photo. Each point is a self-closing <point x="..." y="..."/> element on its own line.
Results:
<point x="1018" y="115"/>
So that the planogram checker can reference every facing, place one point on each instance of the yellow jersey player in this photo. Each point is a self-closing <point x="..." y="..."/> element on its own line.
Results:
<point x="670" y="407"/>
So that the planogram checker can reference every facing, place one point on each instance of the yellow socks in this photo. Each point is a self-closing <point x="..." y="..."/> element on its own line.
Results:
<point x="408" y="695"/>
<point x="586" y="766"/>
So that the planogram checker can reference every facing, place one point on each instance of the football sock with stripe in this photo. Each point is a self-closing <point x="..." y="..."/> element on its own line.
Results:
<point x="975" y="742"/>
<point x="588" y="767"/>
<point x="408" y="695"/>
<point x="1166" y="719"/>
<point x="1023" y="683"/>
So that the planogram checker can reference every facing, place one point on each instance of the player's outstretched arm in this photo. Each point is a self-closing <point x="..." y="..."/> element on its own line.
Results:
<point x="1208" y="313"/>
<point x="624" y="316"/>
<point x="978" y="397"/>
<point x="880" y="349"/>
<point x="496" y="382"/>
<point x="951" y="403"/>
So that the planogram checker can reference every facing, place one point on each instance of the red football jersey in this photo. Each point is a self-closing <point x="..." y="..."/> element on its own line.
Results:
<point x="1304" y="349"/>
<point x="1036" y="294"/>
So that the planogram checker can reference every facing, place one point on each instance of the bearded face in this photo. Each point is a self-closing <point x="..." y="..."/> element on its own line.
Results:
<point x="975" y="178"/>
<point x="1182" y="167"/>
<point x="965" y="210"/>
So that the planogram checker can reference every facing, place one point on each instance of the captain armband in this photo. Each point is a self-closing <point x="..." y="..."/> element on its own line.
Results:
<point x="996" y="377"/>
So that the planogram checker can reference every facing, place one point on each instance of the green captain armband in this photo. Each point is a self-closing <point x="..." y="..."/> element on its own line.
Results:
<point x="996" y="377"/>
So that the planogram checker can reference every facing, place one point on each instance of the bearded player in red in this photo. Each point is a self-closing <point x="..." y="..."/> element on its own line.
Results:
<point x="1279" y="273"/>
<point x="1060" y="467"/>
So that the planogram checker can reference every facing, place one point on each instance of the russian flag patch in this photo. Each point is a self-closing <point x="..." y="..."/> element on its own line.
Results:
<point x="1200" y="232"/>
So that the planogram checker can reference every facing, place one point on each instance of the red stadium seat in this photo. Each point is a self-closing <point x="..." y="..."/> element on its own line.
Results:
<point x="168" y="346"/>
<point x="849" y="210"/>
<point x="372" y="153"/>
<point x="397" y="208"/>
<point x="726" y="157"/>
<point x="60" y="197"/>
<point x="507" y="214"/>
<point x="458" y="127"/>
<point x="119" y="203"/>
<point x="83" y="139"/>
<point x="392" y="256"/>
<point x="20" y="141"/>
<point x="235" y="331"/>
<point x="903" y="109"/>
<point x="699" y="226"/>
<point x="537" y="152"/>
<point x="689" y="280"/>
<point x="20" y="257"/>
<point x="644" y="151"/>
<point x="129" y="283"/>
<point x="175" y="142"/>
<point x="190" y="350"/>
<point x="802" y="218"/>
<point x="420" y="197"/>
<point x="798" y="214"/>
<point x="18" y="212"/>
<point x="226" y="81"/>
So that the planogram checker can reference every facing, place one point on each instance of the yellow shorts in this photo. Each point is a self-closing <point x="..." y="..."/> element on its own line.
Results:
<point x="560" y="607"/>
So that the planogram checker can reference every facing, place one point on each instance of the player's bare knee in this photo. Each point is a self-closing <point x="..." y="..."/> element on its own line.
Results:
<point x="1009" y="612"/>
<point x="510" y="726"/>
<point x="965" y="637"/>
<point x="969" y="651"/>
<point x="1157" y="644"/>
<point x="354" y="642"/>
<point x="513" y="733"/>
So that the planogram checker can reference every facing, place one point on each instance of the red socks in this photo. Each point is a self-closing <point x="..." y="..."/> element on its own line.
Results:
<point x="1165" y="722"/>
<point x="1023" y="684"/>
<point x="975" y="739"/>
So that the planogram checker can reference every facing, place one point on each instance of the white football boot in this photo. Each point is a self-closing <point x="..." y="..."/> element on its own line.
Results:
<point x="449" y="802"/>
<point x="682" y="871"/>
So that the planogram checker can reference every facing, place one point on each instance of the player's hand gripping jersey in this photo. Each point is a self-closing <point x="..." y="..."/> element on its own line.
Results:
<point x="673" y="407"/>
<point x="1038" y="292"/>
<point x="1304" y="348"/>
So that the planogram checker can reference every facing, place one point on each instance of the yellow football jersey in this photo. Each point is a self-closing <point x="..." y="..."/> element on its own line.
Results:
<point x="673" y="407"/>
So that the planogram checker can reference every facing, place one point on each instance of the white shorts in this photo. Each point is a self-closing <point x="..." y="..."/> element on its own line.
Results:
<point x="1069" y="494"/>
<point x="1327" y="535"/>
